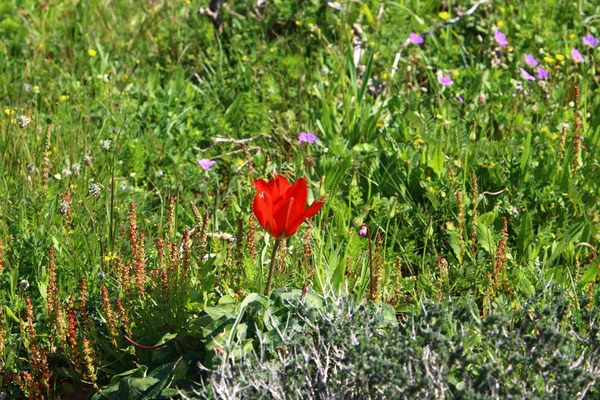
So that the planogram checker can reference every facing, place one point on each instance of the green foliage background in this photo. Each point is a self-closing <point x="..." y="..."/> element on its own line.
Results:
<point x="434" y="176"/>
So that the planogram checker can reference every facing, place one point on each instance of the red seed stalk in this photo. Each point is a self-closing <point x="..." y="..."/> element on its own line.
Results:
<point x="133" y="234"/>
<point x="39" y="385"/>
<point x="123" y="316"/>
<point x="110" y="316"/>
<point x="1" y="258"/>
<point x="88" y="354"/>
<point x="501" y="256"/>
<point x="51" y="290"/>
<point x="378" y="266"/>
<point x="251" y="237"/>
<point x="186" y="243"/>
<point x="72" y="338"/>
<point x="83" y="294"/>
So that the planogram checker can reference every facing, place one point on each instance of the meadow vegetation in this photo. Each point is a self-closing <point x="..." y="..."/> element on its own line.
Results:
<point x="449" y="149"/>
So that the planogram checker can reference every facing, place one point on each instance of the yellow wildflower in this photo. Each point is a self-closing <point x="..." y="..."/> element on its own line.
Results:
<point x="549" y="60"/>
<point x="559" y="57"/>
<point x="92" y="53"/>
<point x="500" y="24"/>
<point x="444" y="15"/>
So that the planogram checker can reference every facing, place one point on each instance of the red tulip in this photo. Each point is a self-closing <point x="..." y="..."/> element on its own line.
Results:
<point x="281" y="208"/>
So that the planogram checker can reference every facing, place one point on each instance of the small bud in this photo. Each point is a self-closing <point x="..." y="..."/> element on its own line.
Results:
<point x="363" y="230"/>
<point x="482" y="99"/>
<point x="94" y="189"/>
<point x="23" y="121"/>
<point x="24" y="284"/>
<point x="101" y="276"/>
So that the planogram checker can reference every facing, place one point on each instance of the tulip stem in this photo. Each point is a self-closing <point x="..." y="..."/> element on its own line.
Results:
<point x="272" y="267"/>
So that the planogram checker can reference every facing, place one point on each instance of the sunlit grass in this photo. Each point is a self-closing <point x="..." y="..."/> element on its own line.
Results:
<point x="131" y="135"/>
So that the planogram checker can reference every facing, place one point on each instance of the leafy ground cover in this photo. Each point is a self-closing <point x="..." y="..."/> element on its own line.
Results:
<point x="456" y="146"/>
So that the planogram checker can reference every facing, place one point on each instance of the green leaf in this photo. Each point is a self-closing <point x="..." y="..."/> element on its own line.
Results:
<point x="573" y="234"/>
<point x="484" y="237"/>
<point x="590" y="273"/>
<point x="456" y="247"/>
<point x="525" y="234"/>
<point x="525" y="285"/>
<point x="435" y="158"/>
<point x="10" y="313"/>
<point x="525" y="159"/>
<point x="164" y="375"/>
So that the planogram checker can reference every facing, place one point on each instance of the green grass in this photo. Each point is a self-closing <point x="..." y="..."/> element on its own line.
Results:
<point x="488" y="198"/>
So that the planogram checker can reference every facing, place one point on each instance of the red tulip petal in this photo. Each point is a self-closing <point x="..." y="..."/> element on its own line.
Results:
<point x="293" y="226"/>
<point x="285" y="215"/>
<point x="314" y="208"/>
<point x="279" y="185"/>
<point x="262" y="186"/>
<point x="262" y="207"/>
<point x="299" y="193"/>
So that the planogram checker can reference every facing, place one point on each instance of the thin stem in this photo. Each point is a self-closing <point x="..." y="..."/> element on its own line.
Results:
<point x="371" y="280"/>
<point x="272" y="267"/>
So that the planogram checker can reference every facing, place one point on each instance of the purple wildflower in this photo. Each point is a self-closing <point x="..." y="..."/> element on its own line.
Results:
<point x="307" y="137"/>
<point x="444" y="80"/>
<point x="460" y="98"/>
<point x="576" y="55"/>
<point x="205" y="163"/>
<point x="501" y="39"/>
<point x="415" y="39"/>
<point x="364" y="229"/>
<point x="542" y="73"/>
<point x="530" y="60"/>
<point x="526" y="75"/>
<point x="590" y="40"/>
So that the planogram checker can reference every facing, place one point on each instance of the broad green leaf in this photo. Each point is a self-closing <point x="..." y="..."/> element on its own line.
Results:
<point x="164" y="375"/>
<point x="525" y="159"/>
<point x="435" y="158"/>
<point x="525" y="234"/>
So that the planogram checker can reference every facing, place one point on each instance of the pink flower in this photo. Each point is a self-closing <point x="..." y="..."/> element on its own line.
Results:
<point x="205" y="163"/>
<point x="364" y="229"/>
<point x="526" y="75"/>
<point x="576" y="55"/>
<point x="415" y="39"/>
<point x="444" y="80"/>
<point x="307" y="137"/>
<point x="530" y="60"/>
<point x="590" y="40"/>
<point x="501" y="39"/>
<point x="542" y="73"/>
